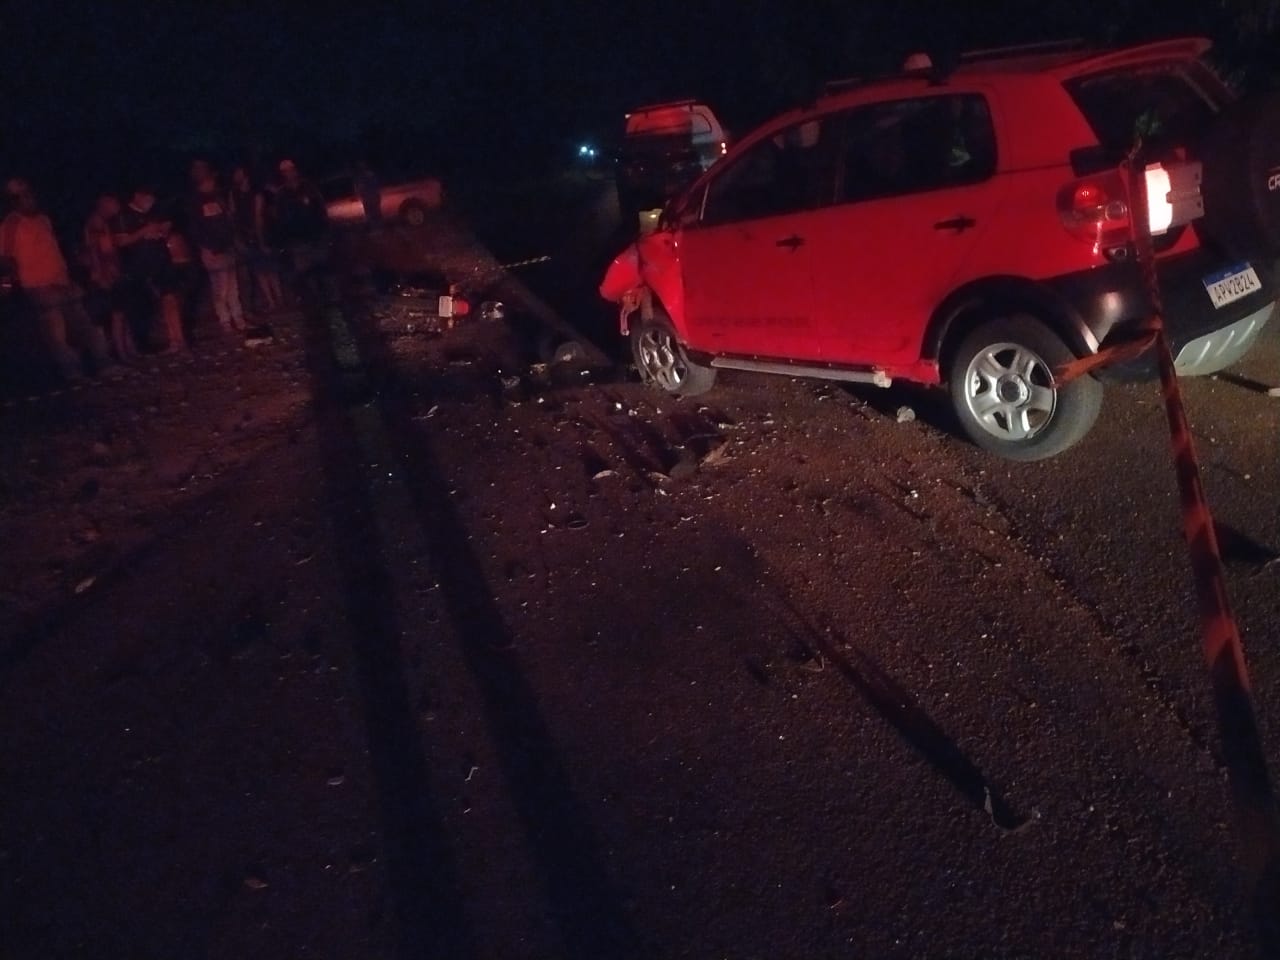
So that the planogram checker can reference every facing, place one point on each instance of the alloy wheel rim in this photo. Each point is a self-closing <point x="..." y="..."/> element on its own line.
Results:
<point x="1010" y="392"/>
<point x="661" y="359"/>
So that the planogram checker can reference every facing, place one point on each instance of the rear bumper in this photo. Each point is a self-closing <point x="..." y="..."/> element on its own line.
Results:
<point x="1223" y="347"/>
<point x="1111" y="301"/>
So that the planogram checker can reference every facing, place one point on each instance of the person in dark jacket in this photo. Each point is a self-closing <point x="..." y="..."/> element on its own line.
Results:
<point x="142" y="231"/>
<point x="257" y="265"/>
<point x="301" y="223"/>
<point x="106" y="276"/>
<point x="213" y="232"/>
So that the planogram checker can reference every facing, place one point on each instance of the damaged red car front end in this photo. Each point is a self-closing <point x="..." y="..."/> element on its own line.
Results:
<point x="647" y="268"/>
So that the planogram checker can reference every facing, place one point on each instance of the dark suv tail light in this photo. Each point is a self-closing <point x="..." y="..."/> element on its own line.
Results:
<point x="1096" y="210"/>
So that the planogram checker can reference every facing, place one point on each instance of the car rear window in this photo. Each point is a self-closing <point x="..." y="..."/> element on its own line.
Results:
<point x="683" y="121"/>
<point x="1162" y="105"/>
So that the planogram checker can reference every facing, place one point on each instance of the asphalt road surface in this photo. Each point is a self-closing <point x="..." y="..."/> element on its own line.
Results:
<point x="377" y="644"/>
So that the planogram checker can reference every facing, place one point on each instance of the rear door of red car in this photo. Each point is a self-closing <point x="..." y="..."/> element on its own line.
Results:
<point x="915" y="194"/>
<point x="746" y="262"/>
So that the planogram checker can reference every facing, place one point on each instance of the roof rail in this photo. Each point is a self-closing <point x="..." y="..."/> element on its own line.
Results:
<point x="1024" y="49"/>
<point x="663" y="106"/>
<point x="838" y="86"/>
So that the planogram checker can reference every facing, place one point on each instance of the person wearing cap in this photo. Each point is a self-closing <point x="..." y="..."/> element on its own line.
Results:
<point x="27" y="239"/>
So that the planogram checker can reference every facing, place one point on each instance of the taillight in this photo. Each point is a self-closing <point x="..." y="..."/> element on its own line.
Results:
<point x="1096" y="210"/>
<point x="1174" y="195"/>
<point x="1159" y="203"/>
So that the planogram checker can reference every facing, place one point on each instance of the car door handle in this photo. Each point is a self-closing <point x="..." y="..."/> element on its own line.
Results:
<point x="792" y="243"/>
<point x="959" y="224"/>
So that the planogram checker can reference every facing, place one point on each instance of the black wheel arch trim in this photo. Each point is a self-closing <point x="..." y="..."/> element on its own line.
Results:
<point x="980" y="297"/>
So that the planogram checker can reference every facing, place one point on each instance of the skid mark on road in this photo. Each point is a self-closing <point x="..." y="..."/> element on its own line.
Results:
<point x="959" y="512"/>
<point x="624" y="429"/>
<point x="1131" y="649"/>
<point x="903" y="712"/>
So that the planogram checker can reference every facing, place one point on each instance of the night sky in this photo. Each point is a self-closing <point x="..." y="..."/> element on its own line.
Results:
<point x="454" y="85"/>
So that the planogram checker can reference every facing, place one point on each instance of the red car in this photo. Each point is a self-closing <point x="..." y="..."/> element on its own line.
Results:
<point x="972" y="228"/>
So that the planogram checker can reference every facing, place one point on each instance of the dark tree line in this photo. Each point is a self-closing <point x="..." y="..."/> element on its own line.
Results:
<point x="1251" y="42"/>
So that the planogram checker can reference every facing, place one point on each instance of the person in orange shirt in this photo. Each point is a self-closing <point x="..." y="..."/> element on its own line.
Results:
<point x="28" y="240"/>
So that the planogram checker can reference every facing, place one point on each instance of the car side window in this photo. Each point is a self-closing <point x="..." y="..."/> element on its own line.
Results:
<point x="790" y="171"/>
<point x="911" y="146"/>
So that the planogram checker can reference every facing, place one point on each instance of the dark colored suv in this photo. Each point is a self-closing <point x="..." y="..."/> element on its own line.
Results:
<point x="973" y="229"/>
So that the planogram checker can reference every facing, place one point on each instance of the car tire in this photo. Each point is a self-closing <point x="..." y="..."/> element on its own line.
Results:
<point x="1003" y="391"/>
<point x="413" y="214"/>
<point x="555" y="347"/>
<point x="1241" y="178"/>
<point x="662" y="361"/>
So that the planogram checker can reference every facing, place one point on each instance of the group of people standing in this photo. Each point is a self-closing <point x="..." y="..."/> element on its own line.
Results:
<point x="144" y="263"/>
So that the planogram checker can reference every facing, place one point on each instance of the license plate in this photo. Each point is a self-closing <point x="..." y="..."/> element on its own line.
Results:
<point x="1232" y="284"/>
